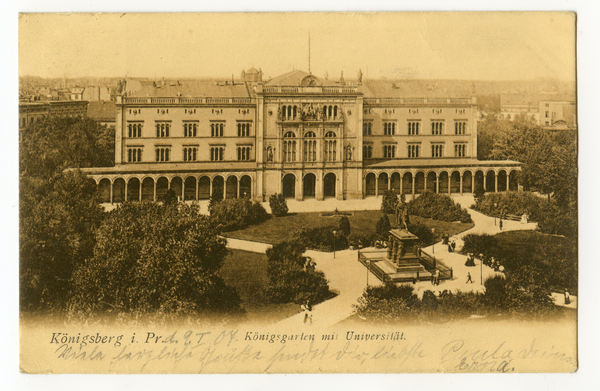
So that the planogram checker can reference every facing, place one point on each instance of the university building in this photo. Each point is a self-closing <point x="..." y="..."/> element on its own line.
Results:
<point x="295" y="134"/>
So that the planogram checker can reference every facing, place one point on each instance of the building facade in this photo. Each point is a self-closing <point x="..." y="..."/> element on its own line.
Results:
<point x="295" y="134"/>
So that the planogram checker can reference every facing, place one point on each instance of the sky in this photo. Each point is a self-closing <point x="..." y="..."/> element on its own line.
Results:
<point x="465" y="45"/>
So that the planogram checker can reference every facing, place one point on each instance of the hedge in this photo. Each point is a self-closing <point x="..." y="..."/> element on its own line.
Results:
<point x="438" y="207"/>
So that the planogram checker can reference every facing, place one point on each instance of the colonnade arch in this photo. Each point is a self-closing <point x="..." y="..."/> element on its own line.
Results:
<point x="186" y="187"/>
<point x="445" y="181"/>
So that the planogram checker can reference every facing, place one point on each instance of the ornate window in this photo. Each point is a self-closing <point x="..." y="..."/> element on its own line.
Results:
<point x="413" y="150"/>
<point x="134" y="130"/>
<point x="216" y="129"/>
<point x="460" y="150"/>
<point x="190" y="153"/>
<point x="389" y="128"/>
<point x="437" y="150"/>
<point x="460" y="127"/>
<point x="162" y="129"/>
<point x="413" y="128"/>
<point x="134" y="154"/>
<point x="243" y="153"/>
<point x="367" y="151"/>
<point x="243" y="129"/>
<point x="437" y="127"/>
<point x="162" y="154"/>
<point x="330" y="154"/>
<point x="367" y="128"/>
<point x="190" y="129"/>
<point x="216" y="153"/>
<point x="389" y="151"/>
<point x="289" y="147"/>
<point x="310" y="147"/>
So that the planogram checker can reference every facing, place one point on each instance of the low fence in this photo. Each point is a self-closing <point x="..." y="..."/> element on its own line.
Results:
<point x="431" y="263"/>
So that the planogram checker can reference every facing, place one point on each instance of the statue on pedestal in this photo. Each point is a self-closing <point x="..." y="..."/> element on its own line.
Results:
<point x="402" y="213"/>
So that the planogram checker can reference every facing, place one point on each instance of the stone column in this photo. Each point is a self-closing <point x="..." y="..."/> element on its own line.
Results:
<point x="401" y="184"/>
<point x="424" y="183"/>
<point x="461" y="184"/>
<point x="140" y="194"/>
<point x="111" y="192"/>
<point x="485" y="181"/>
<point x="125" y="195"/>
<point x="154" y="192"/>
<point x="196" y="191"/>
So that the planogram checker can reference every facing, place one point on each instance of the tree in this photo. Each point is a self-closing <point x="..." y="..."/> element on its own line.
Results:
<point x="237" y="213"/>
<point x="344" y="226"/>
<point x="278" y="205"/>
<point x="383" y="227"/>
<point x="389" y="202"/>
<point x="57" y="223"/>
<point x="53" y="144"/>
<point x="154" y="259"/>
<point x="479" y="193"/>
<point x="170" y="197"/>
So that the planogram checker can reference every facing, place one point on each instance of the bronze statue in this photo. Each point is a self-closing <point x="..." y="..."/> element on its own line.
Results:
<point x="402" y="213"/>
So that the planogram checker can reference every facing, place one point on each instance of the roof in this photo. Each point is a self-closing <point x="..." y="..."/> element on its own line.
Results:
<point x="413" y="89"/>
<point x="102" y="110"/>
<point x="533" y="100"/>
<point x="433" y="163"/>
<point x="294" y="78"/>
<point x="211" y="89"/>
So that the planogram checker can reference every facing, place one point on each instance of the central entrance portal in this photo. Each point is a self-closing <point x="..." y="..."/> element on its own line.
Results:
<point x="309" y="184"/>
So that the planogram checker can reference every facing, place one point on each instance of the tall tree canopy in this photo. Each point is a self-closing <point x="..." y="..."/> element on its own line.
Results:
<point x="152" y="258"/>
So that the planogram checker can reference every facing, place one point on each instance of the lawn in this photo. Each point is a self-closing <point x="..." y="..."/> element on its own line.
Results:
<point x="247" y="272"/>
<point x="278" y="229"/>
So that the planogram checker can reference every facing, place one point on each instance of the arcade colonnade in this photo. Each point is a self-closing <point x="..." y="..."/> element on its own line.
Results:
<point x="459" y="181"/>
<point x="121" y="188"/>
<point x="307" y="185"/>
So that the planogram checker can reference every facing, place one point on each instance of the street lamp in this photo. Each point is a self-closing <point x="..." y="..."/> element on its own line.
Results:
<point x="495" y="206"/>
<point x="481" y="268"/>
<point x="368" y="269"/>
<point x="334" y="232"/>
<point x="433" y="232"/>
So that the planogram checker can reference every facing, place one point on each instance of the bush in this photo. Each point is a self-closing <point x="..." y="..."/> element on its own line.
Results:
<point x="389" y="202"/>
<point x="438" y="207"/>
<point x="278" y="205"/>
<point x="478" y="193"/>
<point x="481" y="244"/>
<point x="170" y="197"/>
<point x="383" y="227"/>
<point x="321" y="238"/>
<point x="512" y="202"/>
<point x="360" y="240"/>
<point x="154" y="259"/>
<point x="288" y="281"/>
<point x="237" y="213"/>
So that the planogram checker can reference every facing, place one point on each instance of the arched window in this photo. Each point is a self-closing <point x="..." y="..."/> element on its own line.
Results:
<point x="310" y="147"/>
<point x="330" y="154"/>
<point x="289" y="147"/>
<point x="130" y="132"/>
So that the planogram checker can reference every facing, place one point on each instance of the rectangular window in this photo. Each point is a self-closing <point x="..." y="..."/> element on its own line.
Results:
<point x="134" y="155"/>
<point x="367" y="128"/>
<point x="389" y="151"/>
<point x="367" y="151"/>
<point x="413" y="150"/>
<point x="460" y="127"/>
<point x="310" y="150"/>
<point x="437" y="127"/>
<point x="413" y="128"/>
<point x="134" y="129"/>
<point x="190" y="153"/>
<point x="216" y="153"/>
<point x="243" y="129"/>
<point x="162" y="129"/>
<point x="437" y="150"/>
<point x="243" y="153"/>
<point x="389" y="128"/>
<point x="216" y="129"/>
<point x="190" y="129"/>
<point x="460" y="150"/>
<point x="547" y="114"/>
<point x="162" y="154"/>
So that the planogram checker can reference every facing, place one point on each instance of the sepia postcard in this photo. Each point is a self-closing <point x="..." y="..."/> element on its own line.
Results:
<point x="249" y="193"/>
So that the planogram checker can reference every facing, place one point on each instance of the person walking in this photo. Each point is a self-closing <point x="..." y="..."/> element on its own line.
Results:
<point x="469" y="279"/>
<point x="567" y="297"/>
<point x="437" y="277"/>
<point x="307" y="308"/>
<point x="500" y="224"/>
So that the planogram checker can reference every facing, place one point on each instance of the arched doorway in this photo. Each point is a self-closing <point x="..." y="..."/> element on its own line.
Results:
<point x="431" y="184"/>
<point x="420" y="182"/>
<point x="119" y="190"/>
<point x="104" y="191"/>
<point x="162" y="185"/>
<point x="443" y="186"/>
<point x="467" y="182"/>
<point x="177" y="186"/>
<point x="490" y="181"/>
<point x="246" y="186"/>
<point x="382" y="183"/>
<point x="407" y="183"/>
<point x="455" y="182"/>
<point x="148" y="189"/>
<point x="133" y="189"/>
<point x="204" y="188"/>
<point x="190" y="189"/>
<point x="232" y="184"/>
<point x="289" y="186"/>
<point x="217" y="188"/>
<point x="370" y="184"/>
<point x="478" y="179"/>
<point x="513" y="184"/>
<point x="308" y="185"/>
<point x="502" y="181"/>
<point x="329" y="182"/>
<point x="395" y="184"/>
